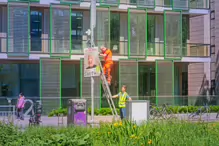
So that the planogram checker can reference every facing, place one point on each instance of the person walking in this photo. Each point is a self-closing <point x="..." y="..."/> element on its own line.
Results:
<point x="20" y="106"/>
<point x="123" y="97"/>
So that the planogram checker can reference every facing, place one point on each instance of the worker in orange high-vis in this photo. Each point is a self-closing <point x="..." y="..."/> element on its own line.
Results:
<point x="108" y="64"/>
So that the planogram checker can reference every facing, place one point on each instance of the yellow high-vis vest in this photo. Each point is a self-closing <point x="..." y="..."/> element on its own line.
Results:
<point x="122" y="99"/>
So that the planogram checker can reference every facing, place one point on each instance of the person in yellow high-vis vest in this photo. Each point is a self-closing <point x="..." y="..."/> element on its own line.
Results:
<point x="123" y="97"/>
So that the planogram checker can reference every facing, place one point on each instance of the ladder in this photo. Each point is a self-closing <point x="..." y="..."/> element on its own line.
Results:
<point x="105" y="85"/>
<point x="107" y="92"/>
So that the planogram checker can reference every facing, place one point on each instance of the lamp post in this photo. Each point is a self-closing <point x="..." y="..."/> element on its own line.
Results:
<point x="91" y="44"/>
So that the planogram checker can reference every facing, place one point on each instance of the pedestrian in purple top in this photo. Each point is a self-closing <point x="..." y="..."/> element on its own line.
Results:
<point x="20" y="107"/>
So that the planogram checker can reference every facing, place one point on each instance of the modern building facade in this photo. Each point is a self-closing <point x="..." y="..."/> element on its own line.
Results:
<point x="214" y="44"/>
<point x="160" y="48"/>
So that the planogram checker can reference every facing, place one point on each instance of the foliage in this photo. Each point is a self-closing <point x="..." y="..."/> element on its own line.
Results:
<point x="58" y="112"/>
<point x="115" y="134"/>
<point x="107" y="111"/>
<point x="102" y="111"/>
<point x="158" y="133"/>
<point x="8" y="134"/>
<point x="49" y="136"/>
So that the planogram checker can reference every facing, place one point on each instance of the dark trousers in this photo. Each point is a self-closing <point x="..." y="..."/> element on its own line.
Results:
<point x="122" y="113"/>
<point x="20" y="114"/>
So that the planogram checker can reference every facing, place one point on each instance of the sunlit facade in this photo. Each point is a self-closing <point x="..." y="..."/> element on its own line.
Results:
<point x="160" y="48"/>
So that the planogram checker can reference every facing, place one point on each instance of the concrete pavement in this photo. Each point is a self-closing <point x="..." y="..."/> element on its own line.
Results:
<point x="55" y="121"/>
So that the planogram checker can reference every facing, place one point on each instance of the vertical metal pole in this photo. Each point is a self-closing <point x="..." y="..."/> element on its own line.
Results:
<point x="92" y="26"/>
<point x="92" y="20"/>
<point x="92" y="100"/>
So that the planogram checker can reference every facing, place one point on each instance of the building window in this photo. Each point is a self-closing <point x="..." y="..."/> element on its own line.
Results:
<point x="29" y="79"/>
<point x="76" y="30"/>
<point x="185" y="29"/>
<point x="167" y="3"/>
<point x="36" y="30"/>
<point x="115" y="32"/>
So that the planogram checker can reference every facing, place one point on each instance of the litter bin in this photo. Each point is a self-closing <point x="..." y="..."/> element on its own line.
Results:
<point x="138" y="111"/>
<point x="77" y="114"/>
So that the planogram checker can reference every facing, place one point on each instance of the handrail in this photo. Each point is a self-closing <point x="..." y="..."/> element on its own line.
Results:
<point x="42" y="45"/>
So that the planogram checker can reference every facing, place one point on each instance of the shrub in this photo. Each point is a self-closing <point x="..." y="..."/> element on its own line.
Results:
<point x="56" y="136"/>
<point x="107" y="111"/>
<point x="8" y="134"/>
<point x="58" y="112"/>
<point x="102" y="111"/>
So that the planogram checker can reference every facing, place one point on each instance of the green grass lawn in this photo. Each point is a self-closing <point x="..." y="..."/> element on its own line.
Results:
<point x="168" y="133"/>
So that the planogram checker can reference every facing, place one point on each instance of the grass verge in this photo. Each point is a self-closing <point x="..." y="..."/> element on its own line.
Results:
<point x="174" y="133"/>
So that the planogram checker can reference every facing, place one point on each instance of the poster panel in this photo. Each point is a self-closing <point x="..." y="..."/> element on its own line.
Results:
<point x="91" y="62"/>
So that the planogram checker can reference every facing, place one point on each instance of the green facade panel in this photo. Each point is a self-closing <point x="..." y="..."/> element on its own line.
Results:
<point x="137" y="34"/>
<point x="18" y="39"/>
<point x="85" y="87"/>
<point x="128" y="75"/>
<point x="102" y="30"/>
<point x="164" y="70"/>
<point x="173" y="34"/>
<point x="50" y="83"/>
<point x="60" y="30"/>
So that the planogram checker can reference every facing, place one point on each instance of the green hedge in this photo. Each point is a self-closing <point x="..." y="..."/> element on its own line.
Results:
<point x="102" y="111"/>
<point x="107" y="111"/>
<point x="168" y="133"/>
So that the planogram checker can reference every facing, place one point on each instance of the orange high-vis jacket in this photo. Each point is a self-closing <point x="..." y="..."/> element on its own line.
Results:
<point x="108" y="57"/>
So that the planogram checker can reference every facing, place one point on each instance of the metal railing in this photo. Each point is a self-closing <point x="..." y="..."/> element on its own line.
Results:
<point x="198" y="100"/>
<point x="42" y="45"/>
<point x="196" y="50"/>
<point x="192" y="108"/>
<point x="155" y="49"/>
<point x="199" y="4"/>
<point x="176" y="100"/>
<point x="39" y="45"/>
<point x="18" y="45"/>
<point x="119" y="48"/>
<point x="78" y="46"/>
<point x="7" y="113"/>
<point x="186" y="50"/>
<point x="177" y="4"/>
